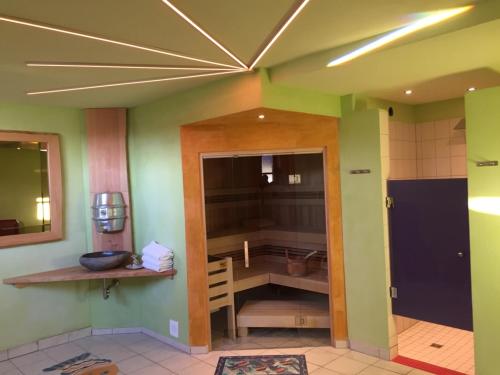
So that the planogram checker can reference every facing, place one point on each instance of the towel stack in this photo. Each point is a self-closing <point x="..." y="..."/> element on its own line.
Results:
<point x="157" y="258"/>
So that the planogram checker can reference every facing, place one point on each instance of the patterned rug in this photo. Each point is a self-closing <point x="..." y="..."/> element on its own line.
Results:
<point x="262" y="365"/>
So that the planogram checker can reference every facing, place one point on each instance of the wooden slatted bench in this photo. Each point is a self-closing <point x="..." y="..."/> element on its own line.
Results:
<point x="282" y="314"/>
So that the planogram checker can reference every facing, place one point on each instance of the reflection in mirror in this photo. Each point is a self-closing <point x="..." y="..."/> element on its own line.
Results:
<point x="24" y="191"/>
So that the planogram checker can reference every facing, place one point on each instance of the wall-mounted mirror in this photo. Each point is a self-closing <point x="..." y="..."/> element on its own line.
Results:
<point x="30" y="188"/>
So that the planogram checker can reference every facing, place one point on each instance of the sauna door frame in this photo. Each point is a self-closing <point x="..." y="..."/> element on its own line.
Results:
<point x="245" y="133"/>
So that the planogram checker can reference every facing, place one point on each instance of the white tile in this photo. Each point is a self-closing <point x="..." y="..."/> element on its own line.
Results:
<point x="102" y="331"/>
<point x="160" y="354"/>
<point x="133" y="364"/>
<point x="200" y="368"/>
<point x="442" y="129"/>
<point x="428" y="149"/>
<point x="361" y="357"/>
<point x="324" y="371"/>
<point x="393" y="366"/>
<point x="63" y="352"/>
<point x="179" y="362"/>
<point x="152" y="370"/>
<point x="320" y="357"/>
<point x="3" y="355"/>
<point x="121" y="331"/>
<point x="6" y="366"/>
<point x="376" y="371"/>
<point x="346" y="366"/>
<point x="429" y="168"/>
<point x="459" y="166"/>
<point x="419" y="372"/>
<point x="79" y="334"/>
<point x="427" y="131"/>
<point x="52" y="341"/>
<point x="22" y="350"/>
<point x="443" y="167"/>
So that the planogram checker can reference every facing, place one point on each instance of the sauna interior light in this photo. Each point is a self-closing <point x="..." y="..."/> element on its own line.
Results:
<point x="43" y="208"/>
<point x="432" y="19"/>
<point x="79" y="88"/>
<point x="261" y="117"/>
<point x="277" y="35"/>
<point x="28" y="23"/>
<point x="120" y="66"/>
<point x="204" y="33"/>
<point x="408" y="92"/>
<point x="471" y="89"/>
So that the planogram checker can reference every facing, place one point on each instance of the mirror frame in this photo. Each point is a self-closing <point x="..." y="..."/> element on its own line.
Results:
<point x="55" y="189"/>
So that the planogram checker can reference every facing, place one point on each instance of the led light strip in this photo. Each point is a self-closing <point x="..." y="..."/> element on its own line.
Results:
<point x="123" y="66"/>
<point x="204" y="33"/>
<point x="430" y="20"/>
<point x="20" y="21"/>
<point x="278" y="34"/>
<point x="131" y="83"/>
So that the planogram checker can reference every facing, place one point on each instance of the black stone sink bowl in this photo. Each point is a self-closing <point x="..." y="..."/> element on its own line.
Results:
<point x="104" y="260"/>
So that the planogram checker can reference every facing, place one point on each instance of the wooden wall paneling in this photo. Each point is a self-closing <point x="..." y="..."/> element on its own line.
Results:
<point x="108" y="169"/>
<point x="243" y="132"/>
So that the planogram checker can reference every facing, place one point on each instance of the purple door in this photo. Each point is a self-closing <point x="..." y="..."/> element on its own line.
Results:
<point x="430" y="262"/>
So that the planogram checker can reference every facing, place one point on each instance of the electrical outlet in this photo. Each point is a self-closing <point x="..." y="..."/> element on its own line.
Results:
<point x="297" y="178"/>
<point x="174" y="328"/>
<point x="291" y="179"/>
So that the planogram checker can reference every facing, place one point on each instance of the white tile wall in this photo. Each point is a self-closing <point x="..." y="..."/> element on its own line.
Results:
<point x="425" y="150"/>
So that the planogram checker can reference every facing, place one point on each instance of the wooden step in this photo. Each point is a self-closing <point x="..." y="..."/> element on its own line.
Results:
<point x="283" y="314"/>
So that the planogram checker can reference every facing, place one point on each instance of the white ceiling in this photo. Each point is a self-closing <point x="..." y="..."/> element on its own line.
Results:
<point x="297" y="59"/>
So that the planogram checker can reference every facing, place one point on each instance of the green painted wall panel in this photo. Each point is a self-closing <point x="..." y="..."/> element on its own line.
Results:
<point x="36" y="312"/>
<point x="442" y="110"/>
<point x="483" y="143"/>
<point x="363" y="229"/>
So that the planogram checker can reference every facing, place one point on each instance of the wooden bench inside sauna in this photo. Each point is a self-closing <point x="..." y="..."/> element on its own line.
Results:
<point x="265" y="270"/>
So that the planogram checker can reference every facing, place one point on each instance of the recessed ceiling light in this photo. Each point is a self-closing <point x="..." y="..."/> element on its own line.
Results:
<point x="204" y="33"/>
<point x="261" y="116"/>
<point x="130" y="83"/>
<point x="432" y="19"/>
<point x="120" y="66"/>
<point x="408" y="92"/>
<point x="28" y="23"/>
<point x="470" y="89"/>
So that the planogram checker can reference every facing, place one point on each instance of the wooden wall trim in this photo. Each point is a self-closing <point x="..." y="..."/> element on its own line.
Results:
<point x="244" y="132"/>
<point x="108" y="170"/>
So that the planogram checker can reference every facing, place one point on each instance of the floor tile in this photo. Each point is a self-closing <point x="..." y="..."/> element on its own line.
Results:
<point x="346" y="366"/>
<point x="133" y="364"/>
<point x="368" y="359"/>
<point x="179" y="362"/>
<point x="372" y="370"/>
<point x="29" y="359"/>
<point x="63" y="352"/>
<point x="393" y="366"/>
<point x="161" y="354"/>
<point x="320" y="357"/>
<point x="324" y="371"/>
<point x="152" y="370"/>
<point x="200" y="368"/>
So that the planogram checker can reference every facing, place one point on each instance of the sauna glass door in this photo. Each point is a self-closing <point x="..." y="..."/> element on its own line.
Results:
<point x="430" y="257"/>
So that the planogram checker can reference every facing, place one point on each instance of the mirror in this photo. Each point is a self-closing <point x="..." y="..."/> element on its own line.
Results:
<point x="30" y="188"/>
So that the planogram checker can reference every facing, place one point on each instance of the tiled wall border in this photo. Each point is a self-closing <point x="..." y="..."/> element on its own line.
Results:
<point x="88" y="331"/>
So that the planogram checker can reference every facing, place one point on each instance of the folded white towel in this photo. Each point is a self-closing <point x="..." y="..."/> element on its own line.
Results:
<point x="153" y="260"/>
<point x="155" y="267"/>
<point x="157" y="251"/>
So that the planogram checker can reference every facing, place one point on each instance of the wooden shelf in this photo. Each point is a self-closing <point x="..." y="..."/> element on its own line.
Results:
<point x="79" y="273"/>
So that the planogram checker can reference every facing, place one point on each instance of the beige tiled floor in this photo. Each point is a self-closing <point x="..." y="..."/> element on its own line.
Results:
<point x="137" y="354"/>
<point x="456" y="353"/>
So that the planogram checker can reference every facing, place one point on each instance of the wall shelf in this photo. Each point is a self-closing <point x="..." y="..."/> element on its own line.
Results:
<point x="79" y="273"/>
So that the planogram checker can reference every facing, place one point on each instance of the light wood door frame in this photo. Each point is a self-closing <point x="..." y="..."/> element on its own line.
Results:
<point x="245" y="132"/>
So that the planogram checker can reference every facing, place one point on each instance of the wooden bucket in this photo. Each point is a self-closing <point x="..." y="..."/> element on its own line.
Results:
<point x="296" y="265"/>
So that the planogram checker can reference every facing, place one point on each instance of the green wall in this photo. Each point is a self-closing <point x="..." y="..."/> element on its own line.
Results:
<point x="36" y="312"/>
<point x="365" y="251"/>
<point x="483" y="143"/>
<point x="441" y="110"/>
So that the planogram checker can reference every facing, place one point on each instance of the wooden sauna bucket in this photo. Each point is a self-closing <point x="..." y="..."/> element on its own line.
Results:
<point x="296" y="265"/>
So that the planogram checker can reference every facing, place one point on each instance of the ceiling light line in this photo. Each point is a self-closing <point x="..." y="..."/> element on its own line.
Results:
<point x="53" y="91"/>
<point x="24" y="22"/>
<point x="205" y="34"/>
<point x="432" y="19"/>
<point x="122" y="66"/>
<point x="280" y="31"/>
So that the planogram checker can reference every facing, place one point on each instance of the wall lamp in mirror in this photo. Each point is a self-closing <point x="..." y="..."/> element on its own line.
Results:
<point x="30" y="188"/>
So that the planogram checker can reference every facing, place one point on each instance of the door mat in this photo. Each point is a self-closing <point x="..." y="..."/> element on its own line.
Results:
<point x="425" y="366"/>
<point x="82" y="364"/>
<point x="262" y="365"/>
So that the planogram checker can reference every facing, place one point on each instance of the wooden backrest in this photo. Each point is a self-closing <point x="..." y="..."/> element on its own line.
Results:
<point x="220" y="283"/>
